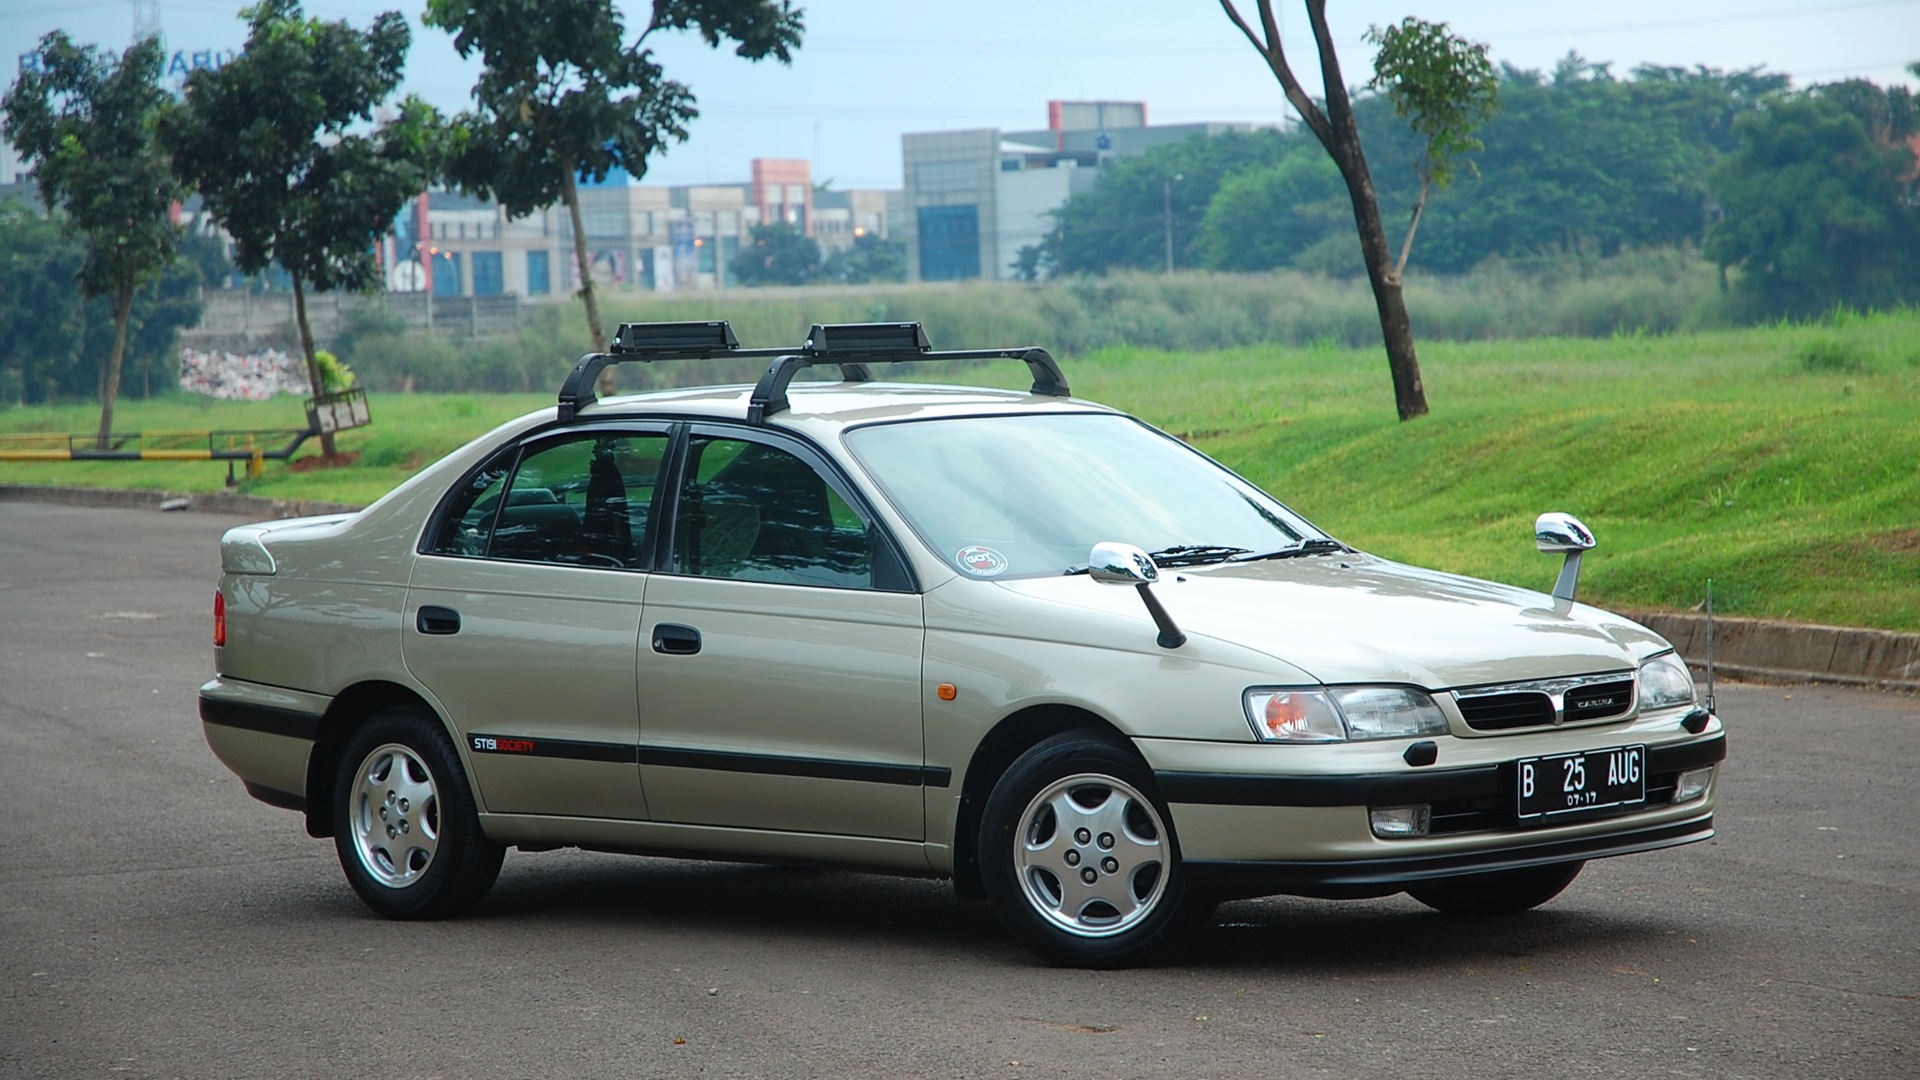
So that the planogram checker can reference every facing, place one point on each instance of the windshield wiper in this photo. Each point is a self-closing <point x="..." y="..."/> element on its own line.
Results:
<point x="1194" y="554"/>
<point x="1178" y="555"/>
<point x="1319" y="545"/>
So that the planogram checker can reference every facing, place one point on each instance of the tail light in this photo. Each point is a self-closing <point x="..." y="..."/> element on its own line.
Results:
<point x="219" y="618"/>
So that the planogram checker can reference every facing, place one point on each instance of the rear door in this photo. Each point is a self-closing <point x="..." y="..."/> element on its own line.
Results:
<point x="780" y="656"/>
<point x="524" y="615"/>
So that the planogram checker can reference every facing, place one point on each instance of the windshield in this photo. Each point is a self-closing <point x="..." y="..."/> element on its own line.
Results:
<point x="1025" y="495"/>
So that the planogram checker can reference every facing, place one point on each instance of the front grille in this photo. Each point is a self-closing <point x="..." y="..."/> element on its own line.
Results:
<point x="1495" y="712"/>
<point x="1545" y="702"/>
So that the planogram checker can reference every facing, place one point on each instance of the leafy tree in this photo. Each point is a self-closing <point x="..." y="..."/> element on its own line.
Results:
<point x="55" y="341"/>
<point x="1438" y="80"/>
<point x="1280" y="215"/>
<point x="1577" y="163"/>
<point x="86" y="122"/>
<point x="871" y="258"/>
<point x="1445" y="88"/>
<point x="208" y="252"/>
<point x="1121" y="223"/>
<point x="270" y="142"/>
<point x="1580" y="163"/>
<point x="563" y="97"/>
<point x="40" y="311"/>
<point x="1821" y="200"/>
<point x="776" y="253"/>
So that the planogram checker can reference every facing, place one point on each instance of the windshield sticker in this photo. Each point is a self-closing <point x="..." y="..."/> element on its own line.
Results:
<point x="981" y="561"/>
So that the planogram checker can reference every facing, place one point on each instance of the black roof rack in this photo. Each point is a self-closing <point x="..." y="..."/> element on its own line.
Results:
<point x="849" y="345"/>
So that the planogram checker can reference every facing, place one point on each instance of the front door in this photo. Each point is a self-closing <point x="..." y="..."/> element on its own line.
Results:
<point x="780" y="655"/>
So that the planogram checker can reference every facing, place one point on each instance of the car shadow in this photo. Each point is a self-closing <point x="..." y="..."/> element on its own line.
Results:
<point x="830" y="906"/>
<point x="796" y="901"/>
<point x="1398" y="934"/>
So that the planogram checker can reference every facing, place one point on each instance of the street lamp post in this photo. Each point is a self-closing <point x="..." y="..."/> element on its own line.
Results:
<point x="1166" y="212"/>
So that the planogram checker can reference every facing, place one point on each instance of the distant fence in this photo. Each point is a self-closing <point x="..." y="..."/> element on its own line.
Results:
<point x="236" y="319"/>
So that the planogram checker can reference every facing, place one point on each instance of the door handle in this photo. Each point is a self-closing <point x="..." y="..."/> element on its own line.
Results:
<point x="437" y="620"/>
<point x="673" y="639"/>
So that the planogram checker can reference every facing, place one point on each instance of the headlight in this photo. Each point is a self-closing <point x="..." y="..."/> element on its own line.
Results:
<point x="1389" y="712"/>
<point x="1665" y="683"/>
<point x="1347" y="712"/>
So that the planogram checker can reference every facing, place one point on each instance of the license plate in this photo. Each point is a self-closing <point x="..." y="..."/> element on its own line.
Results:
<point x="1564" y="784"/>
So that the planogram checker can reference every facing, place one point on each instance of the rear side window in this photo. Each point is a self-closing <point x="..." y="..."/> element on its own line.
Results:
<point x="581" y="500"/>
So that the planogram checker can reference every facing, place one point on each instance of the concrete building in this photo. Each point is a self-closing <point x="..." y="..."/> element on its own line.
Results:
<point x="975" y="198"/>
<point x="656" y="238"/>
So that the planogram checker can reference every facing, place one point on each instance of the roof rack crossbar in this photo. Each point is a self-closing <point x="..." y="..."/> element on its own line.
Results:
<point x="770" y="394"/>
<point x="850" y="345"/>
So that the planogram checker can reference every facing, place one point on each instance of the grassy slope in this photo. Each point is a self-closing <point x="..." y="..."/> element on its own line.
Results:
<point x="1692" y="457"/>
<point x="1714" y="455"/>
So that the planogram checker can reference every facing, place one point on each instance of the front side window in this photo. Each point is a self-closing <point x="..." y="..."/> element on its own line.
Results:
<point x="749" y="511"/>
<point x="580" y="500"/>
<point x="1031" y="495"/>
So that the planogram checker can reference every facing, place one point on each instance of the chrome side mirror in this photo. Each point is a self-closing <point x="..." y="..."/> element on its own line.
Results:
<point x="1121" y="564"/>
<point x="1113" y="563"/>
<point x="1557" y="533"/>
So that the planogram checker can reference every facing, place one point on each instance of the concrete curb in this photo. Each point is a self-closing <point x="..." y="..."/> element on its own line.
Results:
<point x="1743" y="649"/>
<point x="215" y="502"/>
<point x="1767" y="651"/>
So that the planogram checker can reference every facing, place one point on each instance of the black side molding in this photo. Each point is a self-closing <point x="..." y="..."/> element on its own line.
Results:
<point x="814" y="768"/>
<point x="286" y="722"/>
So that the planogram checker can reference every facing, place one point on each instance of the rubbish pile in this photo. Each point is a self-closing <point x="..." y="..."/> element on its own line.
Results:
<point x="242" y="376"/>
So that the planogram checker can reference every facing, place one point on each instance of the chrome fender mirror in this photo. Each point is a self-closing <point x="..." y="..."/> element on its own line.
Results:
<point x="1113" y="563"/>
<point x="1556" y="533"/>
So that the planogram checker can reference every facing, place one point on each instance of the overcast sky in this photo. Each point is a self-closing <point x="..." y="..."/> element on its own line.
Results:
<point x="869" y="70"/>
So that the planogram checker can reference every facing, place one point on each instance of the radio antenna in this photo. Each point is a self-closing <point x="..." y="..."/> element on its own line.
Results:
<point x="1709" y="644"/>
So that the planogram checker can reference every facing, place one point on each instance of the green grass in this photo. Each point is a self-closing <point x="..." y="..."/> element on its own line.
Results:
<point x="1749" y="457"/>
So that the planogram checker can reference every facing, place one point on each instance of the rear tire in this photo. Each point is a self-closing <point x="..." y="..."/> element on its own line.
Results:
<point x="404" y="823"/>
<point x="1504" y="892"/>
<point x="1079" y="858"/>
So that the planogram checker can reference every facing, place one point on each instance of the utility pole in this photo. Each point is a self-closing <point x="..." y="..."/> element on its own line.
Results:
<point x="1166" y="212"/>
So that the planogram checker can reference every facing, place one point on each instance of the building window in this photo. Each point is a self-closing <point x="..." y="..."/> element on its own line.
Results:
<point x="539" y="276"/>
<point x="949" y="242"/>
<point x="487" y="274"/>
<point x="446" y="274"/>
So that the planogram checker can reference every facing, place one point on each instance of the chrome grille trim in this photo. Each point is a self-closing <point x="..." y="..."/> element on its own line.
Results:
<point x="1543" y="702"/>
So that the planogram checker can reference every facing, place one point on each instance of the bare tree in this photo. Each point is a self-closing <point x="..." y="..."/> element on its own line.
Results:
<point x="1446" y="87"/>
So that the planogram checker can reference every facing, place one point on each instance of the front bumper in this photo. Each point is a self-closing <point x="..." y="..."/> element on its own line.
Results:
<point x="1228" y="879"/>
<point x="1247" y="829"/>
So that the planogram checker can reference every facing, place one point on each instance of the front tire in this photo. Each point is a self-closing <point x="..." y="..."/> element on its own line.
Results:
<point x="1079" y="858"/>
<point x="404" y="823"/>
<point x="1504" y="892"/>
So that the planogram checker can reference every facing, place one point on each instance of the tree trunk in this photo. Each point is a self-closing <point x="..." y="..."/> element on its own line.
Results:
<point x="570" y="193"/>
<point x="314" y="380"/>
<point x="1396" y="328"/>
<point x="110" y="378"/>
<point x="1342" y="139"/>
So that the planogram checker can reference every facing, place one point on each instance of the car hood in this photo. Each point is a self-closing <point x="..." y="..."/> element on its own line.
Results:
<point x="1354" y="618"/>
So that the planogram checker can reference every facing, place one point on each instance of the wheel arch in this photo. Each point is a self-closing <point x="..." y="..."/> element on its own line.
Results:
<point x="350" y="709"/>
<point x="1014" y="735"/>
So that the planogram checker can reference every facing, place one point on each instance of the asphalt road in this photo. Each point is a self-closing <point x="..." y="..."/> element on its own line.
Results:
<point x="155" y="921"/>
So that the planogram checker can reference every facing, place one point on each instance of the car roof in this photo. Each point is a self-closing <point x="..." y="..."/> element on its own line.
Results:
<point x="825" y="408"/>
